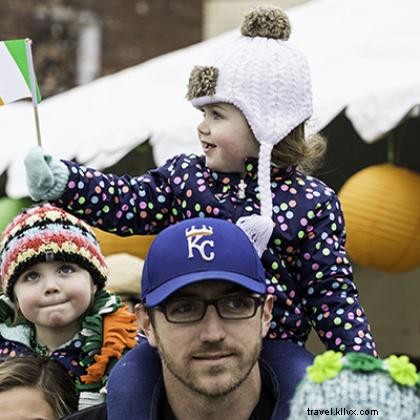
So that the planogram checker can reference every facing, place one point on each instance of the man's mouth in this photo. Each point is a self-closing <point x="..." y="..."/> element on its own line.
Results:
<point x="212" y="356"/>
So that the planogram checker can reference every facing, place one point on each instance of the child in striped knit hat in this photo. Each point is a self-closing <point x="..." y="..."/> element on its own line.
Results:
<point x="54" y="302"/>
<point x="255" y="96"/>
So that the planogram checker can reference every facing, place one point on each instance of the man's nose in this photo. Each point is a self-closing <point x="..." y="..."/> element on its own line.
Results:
<point x="212" y="328"/>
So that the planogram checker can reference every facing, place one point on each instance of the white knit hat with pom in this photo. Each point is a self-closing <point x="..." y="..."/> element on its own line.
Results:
<point x="267" y="77"/>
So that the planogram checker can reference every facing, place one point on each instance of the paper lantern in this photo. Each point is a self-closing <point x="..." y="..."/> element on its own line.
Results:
<point x="381" y="206"/>
<point x="10" y="207"/>
<point x="136" y="245"/>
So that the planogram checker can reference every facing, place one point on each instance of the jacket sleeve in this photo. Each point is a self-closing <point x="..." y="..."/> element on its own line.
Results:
<point x="123" y="205"/>
<point x="330" y="297"/>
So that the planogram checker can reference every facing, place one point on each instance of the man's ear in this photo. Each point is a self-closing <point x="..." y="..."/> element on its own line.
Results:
<point x="145" y="323"/>
<point x="267" y="314"/>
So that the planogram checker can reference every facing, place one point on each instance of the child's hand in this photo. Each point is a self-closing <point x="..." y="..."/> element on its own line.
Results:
<point x="46" y="177"/>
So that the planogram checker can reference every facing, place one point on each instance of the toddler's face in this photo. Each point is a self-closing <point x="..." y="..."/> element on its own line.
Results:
<point x="54" y="295"/>
<point x="226" y="138"/>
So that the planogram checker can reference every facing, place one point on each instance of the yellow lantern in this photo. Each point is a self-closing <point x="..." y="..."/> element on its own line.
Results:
<point x="136" y="245"/>
<point x="381" y="206"/>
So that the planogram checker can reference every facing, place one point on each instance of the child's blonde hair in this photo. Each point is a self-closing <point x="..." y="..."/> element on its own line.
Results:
<point x="307" y="154"/>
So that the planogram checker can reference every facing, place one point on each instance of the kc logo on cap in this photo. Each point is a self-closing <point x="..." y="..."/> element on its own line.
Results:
<point x="196" y="240"/>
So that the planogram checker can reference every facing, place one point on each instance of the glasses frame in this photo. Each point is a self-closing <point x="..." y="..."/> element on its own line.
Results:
<point x="259" y="300"/>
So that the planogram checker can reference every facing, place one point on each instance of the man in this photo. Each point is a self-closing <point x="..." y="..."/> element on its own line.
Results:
<point x="205" y="309"/>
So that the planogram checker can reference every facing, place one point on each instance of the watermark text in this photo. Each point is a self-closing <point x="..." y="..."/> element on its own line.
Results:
<point x="341" y="412"/>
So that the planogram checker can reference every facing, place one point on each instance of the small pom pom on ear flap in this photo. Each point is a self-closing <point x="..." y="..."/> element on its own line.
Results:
<point x="267" y="22"/>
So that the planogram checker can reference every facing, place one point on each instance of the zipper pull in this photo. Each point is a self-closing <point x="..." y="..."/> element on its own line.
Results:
<point x="241" y="190"/>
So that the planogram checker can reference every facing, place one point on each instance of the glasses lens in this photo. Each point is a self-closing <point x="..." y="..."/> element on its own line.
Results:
<point x="237" y="307"/>
<point x="184" y="310"/>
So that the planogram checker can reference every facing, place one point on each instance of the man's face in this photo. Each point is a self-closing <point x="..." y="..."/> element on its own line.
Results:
<point x="213" y="356"/>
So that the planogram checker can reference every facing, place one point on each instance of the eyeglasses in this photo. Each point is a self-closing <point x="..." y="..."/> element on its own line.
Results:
<point x="185" y="310"/>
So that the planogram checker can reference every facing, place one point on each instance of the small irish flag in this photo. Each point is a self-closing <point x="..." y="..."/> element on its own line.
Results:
<point x="15" y="72"/>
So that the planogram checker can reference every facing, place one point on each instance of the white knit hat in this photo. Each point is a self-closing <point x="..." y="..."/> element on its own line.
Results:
<point x="267" y="77"/>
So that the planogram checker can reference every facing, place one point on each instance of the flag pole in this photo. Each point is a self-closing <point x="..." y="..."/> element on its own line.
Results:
<point x="28" y="44"/>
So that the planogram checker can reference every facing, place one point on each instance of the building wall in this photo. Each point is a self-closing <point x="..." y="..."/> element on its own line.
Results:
<point x="97" y="37"/>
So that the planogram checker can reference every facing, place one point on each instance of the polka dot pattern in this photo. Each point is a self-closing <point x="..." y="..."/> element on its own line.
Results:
<point x="308" y="271"/>
<point x="69" y="357"/>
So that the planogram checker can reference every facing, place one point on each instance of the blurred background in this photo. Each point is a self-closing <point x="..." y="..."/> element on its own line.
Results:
<point x="76" y="42"/>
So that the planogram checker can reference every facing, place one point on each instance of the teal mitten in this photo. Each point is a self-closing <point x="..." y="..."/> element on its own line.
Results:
<point x="46" y="177"/>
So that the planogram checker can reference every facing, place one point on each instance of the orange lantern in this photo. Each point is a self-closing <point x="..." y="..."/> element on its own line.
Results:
<point x="136" y="245"/>
<point x="381" y="206"/>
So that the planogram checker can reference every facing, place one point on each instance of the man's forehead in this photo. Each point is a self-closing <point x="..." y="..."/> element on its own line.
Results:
<point x="208" y="288"/>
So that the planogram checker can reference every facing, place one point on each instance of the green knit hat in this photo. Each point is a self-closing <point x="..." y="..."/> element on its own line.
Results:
<point x="358" y="385"/>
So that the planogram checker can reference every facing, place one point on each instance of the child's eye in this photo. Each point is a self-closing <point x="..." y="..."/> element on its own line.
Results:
<point x="30" y="276"/>
<point x="66" y="269"/>
<point x="216" y="115"/>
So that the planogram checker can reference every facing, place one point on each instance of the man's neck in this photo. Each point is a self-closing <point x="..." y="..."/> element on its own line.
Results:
<point x="190" y="405"/>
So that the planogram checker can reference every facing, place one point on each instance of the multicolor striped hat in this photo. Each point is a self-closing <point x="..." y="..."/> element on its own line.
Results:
<point x="47" y="233"/>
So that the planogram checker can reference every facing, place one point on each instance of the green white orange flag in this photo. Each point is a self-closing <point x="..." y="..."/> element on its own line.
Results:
<point x="15" y="72"/>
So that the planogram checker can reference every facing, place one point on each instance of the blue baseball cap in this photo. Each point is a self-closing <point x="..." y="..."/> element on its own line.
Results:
<point x="196" y="250"/>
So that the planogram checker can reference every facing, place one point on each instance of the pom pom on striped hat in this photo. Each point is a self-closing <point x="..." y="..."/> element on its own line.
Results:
<point x="48" y="233"/>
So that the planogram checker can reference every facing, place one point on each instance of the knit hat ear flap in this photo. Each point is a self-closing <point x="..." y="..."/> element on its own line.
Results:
<point x="260" y="227"/>
<point x="272" y="23"/>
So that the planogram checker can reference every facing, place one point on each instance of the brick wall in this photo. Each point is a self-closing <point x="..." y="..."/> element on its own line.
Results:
<point x="127" y="32"/>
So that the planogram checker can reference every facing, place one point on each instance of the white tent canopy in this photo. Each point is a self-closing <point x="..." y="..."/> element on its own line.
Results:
<point x="364" y="57"/>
